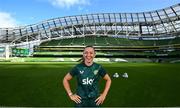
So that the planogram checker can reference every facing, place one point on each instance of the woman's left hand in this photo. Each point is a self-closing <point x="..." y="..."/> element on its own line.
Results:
<point x="100" y="99"/>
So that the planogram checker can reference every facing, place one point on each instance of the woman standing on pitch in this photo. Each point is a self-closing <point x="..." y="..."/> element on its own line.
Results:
<point x="88" y="75"/>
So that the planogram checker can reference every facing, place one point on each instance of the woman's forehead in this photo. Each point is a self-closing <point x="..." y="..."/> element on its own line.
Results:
<point x="89" y="49"/>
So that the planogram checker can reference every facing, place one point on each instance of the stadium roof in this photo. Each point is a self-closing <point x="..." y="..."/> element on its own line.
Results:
<point x="163" y="22"/>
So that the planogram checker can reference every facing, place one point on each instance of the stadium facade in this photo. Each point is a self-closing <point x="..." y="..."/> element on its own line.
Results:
<point x="163" y="24"/>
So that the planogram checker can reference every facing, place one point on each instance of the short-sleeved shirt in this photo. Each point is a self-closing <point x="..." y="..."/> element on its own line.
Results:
<point x="87" y="79"/>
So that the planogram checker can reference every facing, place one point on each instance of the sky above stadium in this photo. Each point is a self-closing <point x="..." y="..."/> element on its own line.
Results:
<point x="24" y="12"/>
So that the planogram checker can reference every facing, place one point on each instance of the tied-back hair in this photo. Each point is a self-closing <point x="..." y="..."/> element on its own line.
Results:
<point x="82" y="58"/>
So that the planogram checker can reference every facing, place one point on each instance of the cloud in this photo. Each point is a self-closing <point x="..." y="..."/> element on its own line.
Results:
<point x="68" y="3"/>
<point x="6" y="20"/>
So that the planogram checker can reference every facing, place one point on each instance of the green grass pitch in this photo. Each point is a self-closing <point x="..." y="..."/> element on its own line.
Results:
<point x="40" y="85"/>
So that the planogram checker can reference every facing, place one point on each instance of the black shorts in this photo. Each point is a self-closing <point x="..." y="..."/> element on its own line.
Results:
<point x="89" y="102"/>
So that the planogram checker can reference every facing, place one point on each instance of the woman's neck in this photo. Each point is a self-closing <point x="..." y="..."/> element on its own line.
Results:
<point x="88" y="63"/>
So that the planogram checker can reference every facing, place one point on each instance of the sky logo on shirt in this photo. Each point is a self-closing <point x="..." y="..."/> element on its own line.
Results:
<point x="87" y="81"/>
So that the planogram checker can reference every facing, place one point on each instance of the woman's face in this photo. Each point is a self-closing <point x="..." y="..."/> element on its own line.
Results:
<point x="88" y="54"/>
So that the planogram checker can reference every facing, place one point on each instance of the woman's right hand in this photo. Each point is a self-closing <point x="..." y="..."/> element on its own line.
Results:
<point x="76" y="98"/>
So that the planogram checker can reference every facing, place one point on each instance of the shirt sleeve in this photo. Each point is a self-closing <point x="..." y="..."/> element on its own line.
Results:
<point x="73" y="71"/>
<point x="102" y="71"/>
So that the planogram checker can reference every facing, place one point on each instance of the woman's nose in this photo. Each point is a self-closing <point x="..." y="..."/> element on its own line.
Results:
<point x="88" y="54"/>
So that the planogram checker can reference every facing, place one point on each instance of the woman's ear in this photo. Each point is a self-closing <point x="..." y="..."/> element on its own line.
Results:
<point x="94" y="54"/>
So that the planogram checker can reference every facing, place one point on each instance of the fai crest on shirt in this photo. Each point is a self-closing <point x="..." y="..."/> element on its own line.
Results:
<point x="95" y="72"/>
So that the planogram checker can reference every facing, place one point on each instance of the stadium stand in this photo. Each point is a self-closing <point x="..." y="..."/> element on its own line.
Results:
<point x="145" y="34"/>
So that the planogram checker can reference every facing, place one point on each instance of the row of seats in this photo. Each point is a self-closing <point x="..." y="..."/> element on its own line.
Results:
<point x="108" y="41"/>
